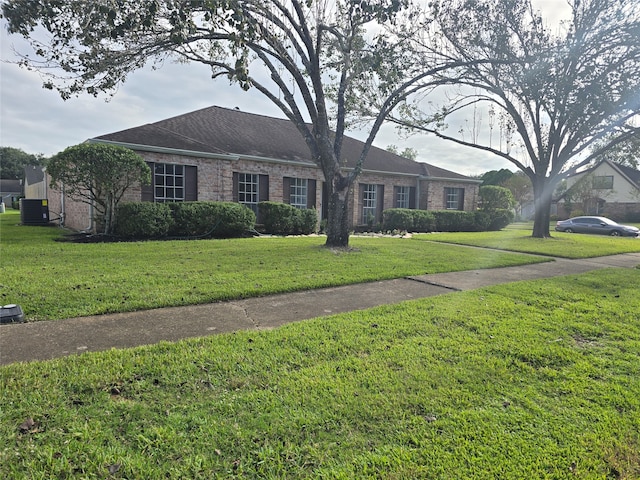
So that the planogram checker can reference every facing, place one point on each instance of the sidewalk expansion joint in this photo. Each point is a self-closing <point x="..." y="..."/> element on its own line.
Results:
<point x="435" y="284"/>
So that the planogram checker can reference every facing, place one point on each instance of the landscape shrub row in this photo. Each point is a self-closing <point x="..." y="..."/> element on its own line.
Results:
<point x="445" y="220"/>
<point x="183" y="220"/>
<point x="284" y="219"/>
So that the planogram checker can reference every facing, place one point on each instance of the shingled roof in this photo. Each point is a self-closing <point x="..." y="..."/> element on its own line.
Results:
<point x="217" y="130"/>
<point x="631" y="173"/>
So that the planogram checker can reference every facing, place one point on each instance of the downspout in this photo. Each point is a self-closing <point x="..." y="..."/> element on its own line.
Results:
<point x="89" y="229"/>
<point x="62" y="212"/>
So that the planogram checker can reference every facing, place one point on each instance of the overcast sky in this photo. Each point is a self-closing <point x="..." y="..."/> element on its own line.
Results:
<point x="39" y="121"/>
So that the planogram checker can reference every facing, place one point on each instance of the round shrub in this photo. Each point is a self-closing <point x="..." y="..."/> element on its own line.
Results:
<point x="307" y="221"/>
<point x="143" y="220"/>
<point x="211" y="219"/>
<point x="284" y="219"/>
<point x="397" y="219"/>
<point x="500" y="218"/>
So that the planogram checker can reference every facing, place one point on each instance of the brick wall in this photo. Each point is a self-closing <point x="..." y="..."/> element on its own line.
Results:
<point x="433" y="197"/>
<point x="215" y="183"/>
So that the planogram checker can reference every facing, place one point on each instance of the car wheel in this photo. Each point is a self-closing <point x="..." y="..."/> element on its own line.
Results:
<point x="615" y="233"/>
<point x="568" y="230"/>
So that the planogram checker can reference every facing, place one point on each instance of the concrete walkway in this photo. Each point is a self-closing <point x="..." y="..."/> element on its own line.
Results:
<point x="46" y="340"/>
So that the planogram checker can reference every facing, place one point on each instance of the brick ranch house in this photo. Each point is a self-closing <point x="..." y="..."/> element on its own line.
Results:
<point x="219" y="154"/>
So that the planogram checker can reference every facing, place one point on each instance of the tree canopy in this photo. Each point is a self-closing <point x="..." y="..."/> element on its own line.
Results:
<point x="98" y="174"/>
<point x="13" y="160"/>
<point x="310" y="58"/>
<point x="552" y="96"/>
<point x="625" y="153"/>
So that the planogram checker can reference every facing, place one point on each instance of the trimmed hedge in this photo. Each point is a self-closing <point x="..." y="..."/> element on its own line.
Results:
<point x="211" y="219"/>
<point x="455" y="221"/>
<point x="411" y="220"/>
<point x="183" y="220"/>
<point x="283" y="219"/>
<point x="143" y="220"/>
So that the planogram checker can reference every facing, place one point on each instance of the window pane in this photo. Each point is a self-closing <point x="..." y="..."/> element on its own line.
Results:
<point x="298" y="192"/>
<point x="166" y="176"/>
<point x="402" y="197"/>
<point x="248" y="190"/>
<point x="369" y="209"/>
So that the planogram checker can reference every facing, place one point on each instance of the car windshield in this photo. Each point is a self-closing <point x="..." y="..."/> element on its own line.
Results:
<point x="607" y="221"/>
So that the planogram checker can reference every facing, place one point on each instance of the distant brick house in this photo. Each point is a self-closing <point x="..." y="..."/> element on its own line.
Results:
<point x="219" y="154"/>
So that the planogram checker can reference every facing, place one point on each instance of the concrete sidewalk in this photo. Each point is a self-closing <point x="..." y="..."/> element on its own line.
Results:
<point x="46" y="340"/>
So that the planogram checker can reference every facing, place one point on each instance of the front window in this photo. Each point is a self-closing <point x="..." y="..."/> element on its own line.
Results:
<point x="298" y="192"/>
<point x="454" y="198"/>
<point x="369" y="205"/>
<point x="402" y="197"/>
<point x="604" y="182"/>
<point x="248" y="190"/>
<point x="168" y="181"/>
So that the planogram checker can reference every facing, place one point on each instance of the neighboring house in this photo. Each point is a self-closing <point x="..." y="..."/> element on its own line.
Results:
<point x="34" y="182"/>
<point x="10" y="191"/>
<point x="219" y="154"/>
<point x="607" y="189"/>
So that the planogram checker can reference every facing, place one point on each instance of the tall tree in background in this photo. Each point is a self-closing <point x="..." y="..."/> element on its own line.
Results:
<point x="13" y="160"/>
<point x="554" y="96"/>
<point x="625" y="153"/>
<point x="309" y="57"/>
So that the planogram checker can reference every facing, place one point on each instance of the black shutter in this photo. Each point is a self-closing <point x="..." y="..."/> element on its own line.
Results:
<point x="263" y="189"/>
<point x="191" y="183"/>
<point x="379" y="202"/>
<point x="286" y="190"/>
<point x="311" y="193"/>
<point x="235" y="186"/>
<point x="461" y="199"/>
<point x="147" y="190"/>
<point x="412" y="197"/>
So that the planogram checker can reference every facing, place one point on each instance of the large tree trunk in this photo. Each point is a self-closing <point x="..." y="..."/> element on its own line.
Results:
<point x="338" y="219"/>
<point x="338" y="224"/>
<point x="542" y="191"/>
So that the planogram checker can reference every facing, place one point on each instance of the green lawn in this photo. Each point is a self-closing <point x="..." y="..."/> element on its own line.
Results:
<point x="53" y="280"/>
<point x="518" y="238"/>
<point x="535" y="379"/>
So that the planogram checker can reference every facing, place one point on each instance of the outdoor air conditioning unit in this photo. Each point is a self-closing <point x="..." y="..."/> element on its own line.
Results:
<point x="34" y="211"/>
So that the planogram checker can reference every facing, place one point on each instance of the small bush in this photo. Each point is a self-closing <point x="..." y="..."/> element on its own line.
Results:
<point x="277" y="218"/>
<point x="482" y="220"/>
<point x="211" y="219"/>
<point x="410" y="220"/>
<point x="308" y="221"/>
<point x="143" y="220"/>
<point x="397" y="219"/>
<point x="283" y="219"/>
<point x="454" y="221"/>
<point x="500" y="218"/>
<point x="423" y="221"/>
